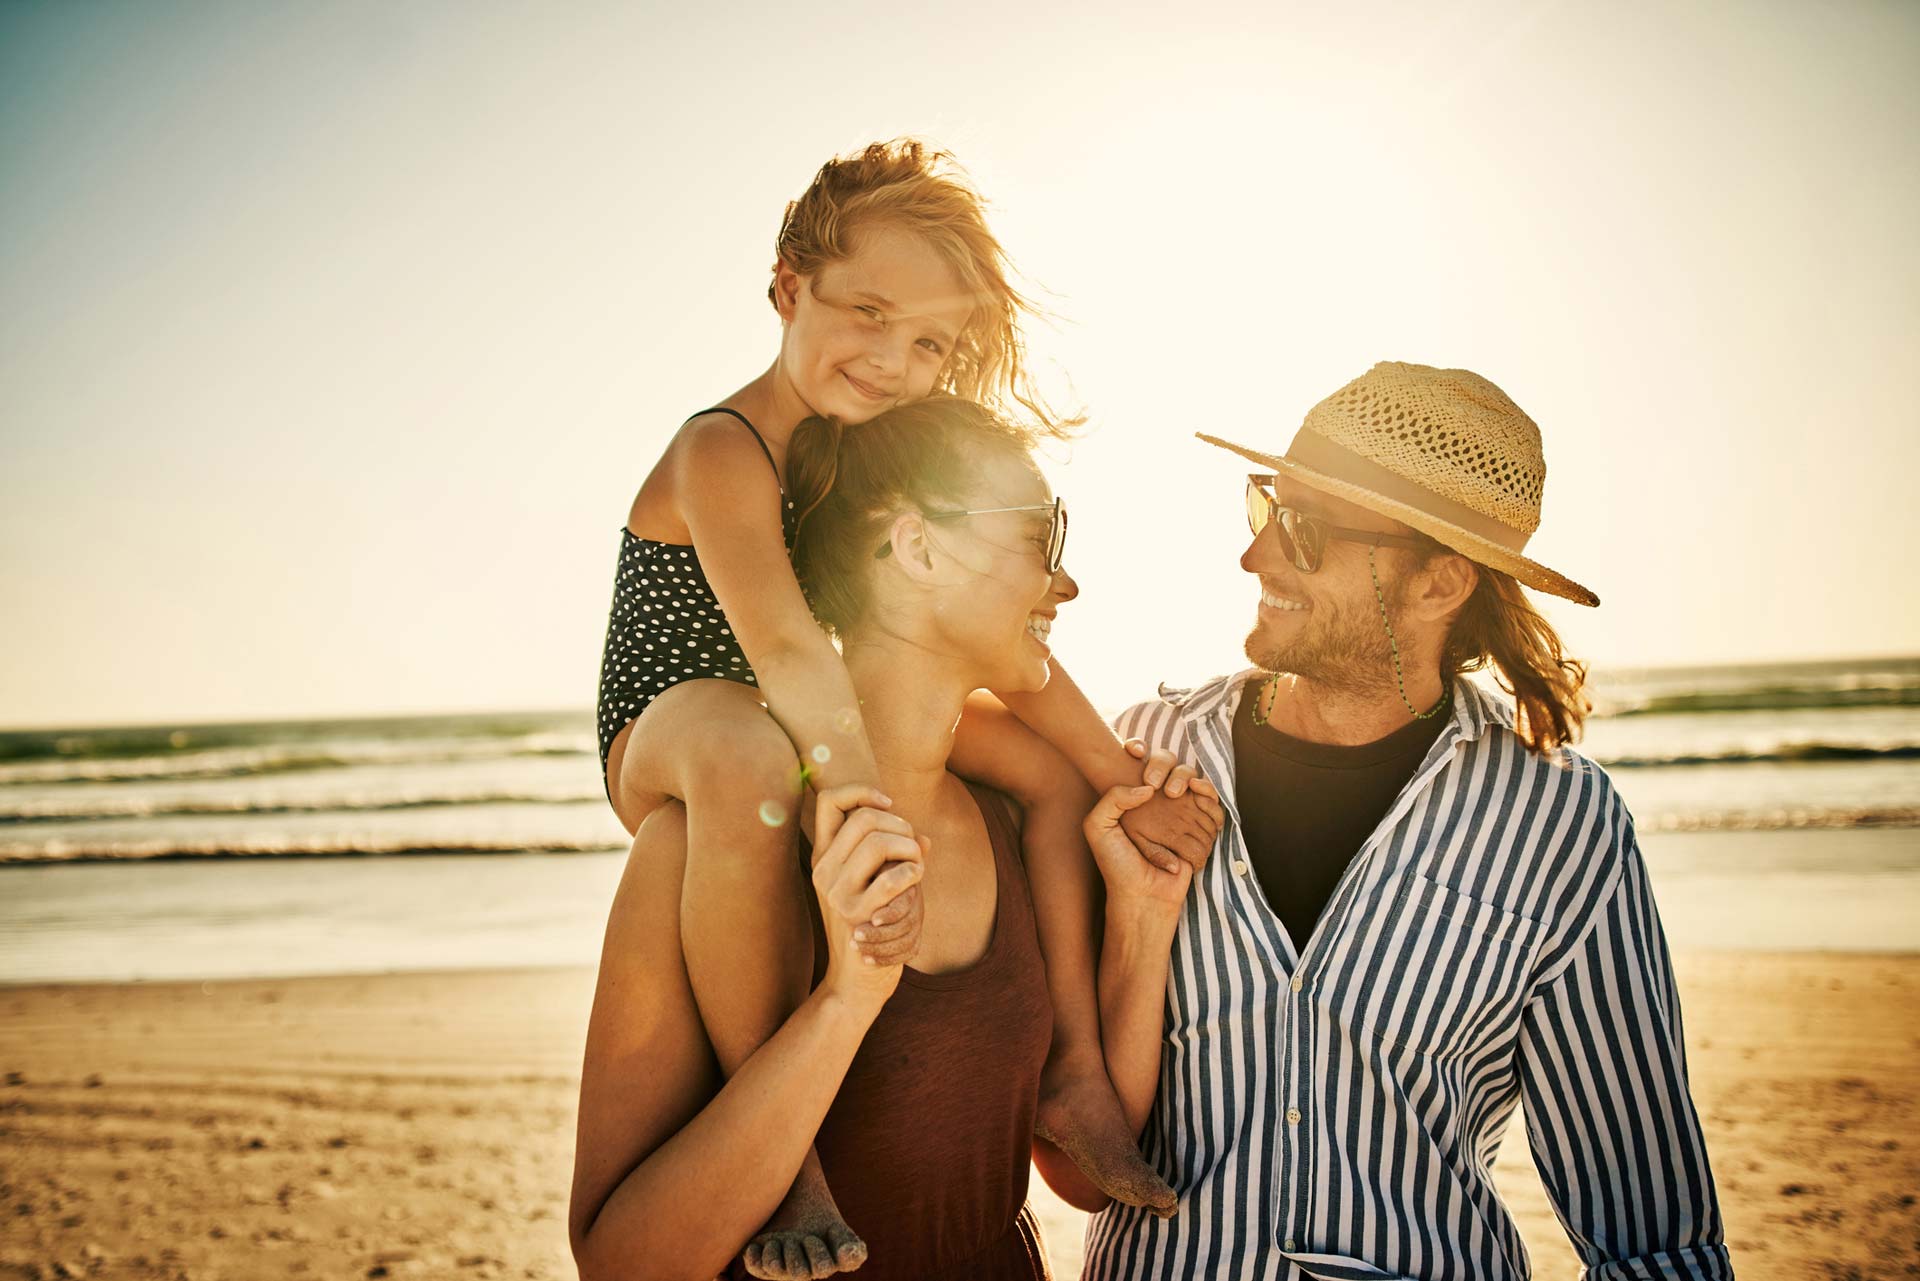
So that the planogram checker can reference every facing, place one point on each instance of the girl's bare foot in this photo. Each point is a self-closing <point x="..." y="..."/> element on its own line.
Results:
<point x="1080" y="1114"/>
<point x="806" y="1237"/>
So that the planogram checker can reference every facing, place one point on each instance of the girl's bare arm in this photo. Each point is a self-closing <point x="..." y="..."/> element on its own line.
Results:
<point x="1174" y="824"/>
<point x="1061" y="714"/>
<point x="731" y="504"/>
<point x="995" y="747"/>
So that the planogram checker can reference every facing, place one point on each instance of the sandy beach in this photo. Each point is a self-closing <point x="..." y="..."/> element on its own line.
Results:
<point x="421" y="1125"/>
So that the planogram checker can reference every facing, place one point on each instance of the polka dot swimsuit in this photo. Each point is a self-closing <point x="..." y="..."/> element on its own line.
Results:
<point x="665" y="626"/>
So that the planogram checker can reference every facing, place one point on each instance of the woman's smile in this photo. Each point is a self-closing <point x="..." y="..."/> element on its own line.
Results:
<point x="1040" y="627"/>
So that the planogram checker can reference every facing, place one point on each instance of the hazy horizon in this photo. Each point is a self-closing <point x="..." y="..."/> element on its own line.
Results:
<point x="340" y="336"/>
<point x="1599" y="678"/>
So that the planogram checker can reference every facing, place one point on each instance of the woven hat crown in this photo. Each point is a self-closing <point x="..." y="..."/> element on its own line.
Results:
<point x="1441" y="450"/>
<point x="1449" y="431"/>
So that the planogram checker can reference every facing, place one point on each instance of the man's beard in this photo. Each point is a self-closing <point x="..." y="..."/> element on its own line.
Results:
<point x="1348" y="652"/>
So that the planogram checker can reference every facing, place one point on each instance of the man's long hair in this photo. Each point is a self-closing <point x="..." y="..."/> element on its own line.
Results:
<point x="1499" y="629"/>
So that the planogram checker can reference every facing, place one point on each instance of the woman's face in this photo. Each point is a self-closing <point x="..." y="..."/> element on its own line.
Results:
<point x="873" y="330"/>
<point x="997" y="602"/>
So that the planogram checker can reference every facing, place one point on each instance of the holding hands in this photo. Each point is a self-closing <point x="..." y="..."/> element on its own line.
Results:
<point x="866" y="874"/>
<point x="1178" y="818"/>
<point x="1150" y="840"/>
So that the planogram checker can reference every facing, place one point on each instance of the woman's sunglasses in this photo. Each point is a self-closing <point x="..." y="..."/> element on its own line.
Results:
<point x="1304" y="538"/>
<point x="1056" y="532"/>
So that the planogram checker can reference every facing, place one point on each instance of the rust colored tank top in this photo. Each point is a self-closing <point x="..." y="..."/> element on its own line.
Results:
<point x="928" y="1144"/>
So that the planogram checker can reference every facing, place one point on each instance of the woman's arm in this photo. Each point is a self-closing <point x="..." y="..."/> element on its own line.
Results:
<point x="1142" y="913"/>
<point x="994" y="747"/>
<point x="669" y="1182"/>
<point x="1133" y="991"/>
<point x="731" y="504"/>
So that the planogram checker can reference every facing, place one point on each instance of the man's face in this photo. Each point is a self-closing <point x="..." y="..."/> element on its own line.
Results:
<point x="1325" y="626"/>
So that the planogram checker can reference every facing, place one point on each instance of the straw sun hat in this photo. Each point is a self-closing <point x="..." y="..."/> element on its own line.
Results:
<point x="1442" y="450"/>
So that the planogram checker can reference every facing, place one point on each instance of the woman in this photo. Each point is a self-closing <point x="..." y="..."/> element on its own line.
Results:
<point x="930" y="548"/>
<point x="716" y="684"/>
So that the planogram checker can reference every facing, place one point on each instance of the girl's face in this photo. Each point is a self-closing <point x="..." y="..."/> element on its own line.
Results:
<point x="873" y="330"/>
<point x="997" y="603"/>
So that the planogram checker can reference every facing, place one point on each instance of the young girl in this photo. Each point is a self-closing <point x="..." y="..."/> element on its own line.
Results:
<point x="718" y="688"/>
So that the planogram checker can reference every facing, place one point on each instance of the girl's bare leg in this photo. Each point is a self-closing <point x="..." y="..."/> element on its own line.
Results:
<point x="1079" y="1113"/>
<point x="743" y="920"/>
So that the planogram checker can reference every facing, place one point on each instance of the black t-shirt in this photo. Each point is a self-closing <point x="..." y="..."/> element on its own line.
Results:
<point x="1307" y="808"/>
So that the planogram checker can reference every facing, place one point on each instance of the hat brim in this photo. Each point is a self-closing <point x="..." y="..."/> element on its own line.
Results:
<point x="1468" y="544"/>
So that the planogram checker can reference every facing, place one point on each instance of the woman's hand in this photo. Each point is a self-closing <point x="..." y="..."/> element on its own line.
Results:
<point x="1130" y="876"/>
<point x="1181" y="821"/>
<point x="866" y="875"/>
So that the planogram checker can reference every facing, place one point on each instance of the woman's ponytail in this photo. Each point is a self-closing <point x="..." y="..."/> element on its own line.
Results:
<point x="813" y="463"/>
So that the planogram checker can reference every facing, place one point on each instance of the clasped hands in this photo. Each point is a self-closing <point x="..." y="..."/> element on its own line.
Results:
<point x="1147" y="840"/>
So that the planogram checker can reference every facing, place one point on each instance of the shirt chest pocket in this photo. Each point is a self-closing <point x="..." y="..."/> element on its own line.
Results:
<point x="1445" y="974"/>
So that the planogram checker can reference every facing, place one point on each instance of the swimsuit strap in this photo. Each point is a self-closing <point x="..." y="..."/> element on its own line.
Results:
<point x="757" y="439"/>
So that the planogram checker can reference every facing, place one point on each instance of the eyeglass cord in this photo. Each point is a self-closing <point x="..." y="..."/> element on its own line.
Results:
<point x="1380" y="599"/>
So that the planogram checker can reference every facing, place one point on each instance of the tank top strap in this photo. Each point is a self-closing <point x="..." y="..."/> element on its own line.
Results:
<point x="1003" y="836"/>
<point x="757" y="439"/>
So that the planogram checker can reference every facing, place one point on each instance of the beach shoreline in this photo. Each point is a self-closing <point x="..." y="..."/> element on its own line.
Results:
<point x="421" y="1124"/>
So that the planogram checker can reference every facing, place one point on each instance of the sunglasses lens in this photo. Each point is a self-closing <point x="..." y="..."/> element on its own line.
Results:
<point x="1057" y="538"/>
<point x="1303" y="538"/>
<point x="1259" y="508"/>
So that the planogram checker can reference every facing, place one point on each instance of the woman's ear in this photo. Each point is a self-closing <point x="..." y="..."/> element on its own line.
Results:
<point x="908" y="546"/>
<point x="787" y="285"/>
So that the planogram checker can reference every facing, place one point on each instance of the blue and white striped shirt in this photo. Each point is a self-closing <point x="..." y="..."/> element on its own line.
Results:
<point x="1335" y="1113"/>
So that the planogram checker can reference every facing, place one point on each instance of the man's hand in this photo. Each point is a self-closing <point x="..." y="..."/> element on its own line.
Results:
<point x="1130" y="876"/>
<point x="1180" y="821"/>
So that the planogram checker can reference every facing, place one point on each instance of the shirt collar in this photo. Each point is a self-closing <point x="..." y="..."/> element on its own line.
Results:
<point x="1475" y="710"/>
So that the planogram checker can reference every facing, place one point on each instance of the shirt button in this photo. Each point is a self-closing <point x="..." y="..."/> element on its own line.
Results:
<point x="1287" y="1244"/>
<point x="1293" y="1116"/>
<point x="1239" y="867"/>
<point x="1297" y="983"/>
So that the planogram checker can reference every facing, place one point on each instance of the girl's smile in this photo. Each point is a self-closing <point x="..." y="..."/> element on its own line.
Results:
<point x="872" y="330"/>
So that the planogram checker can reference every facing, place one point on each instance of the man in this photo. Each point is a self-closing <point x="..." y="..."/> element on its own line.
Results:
<point x="1424" y="910"/>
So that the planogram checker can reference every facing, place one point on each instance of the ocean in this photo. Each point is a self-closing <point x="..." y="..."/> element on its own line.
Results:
<point x="1779" y="807"/>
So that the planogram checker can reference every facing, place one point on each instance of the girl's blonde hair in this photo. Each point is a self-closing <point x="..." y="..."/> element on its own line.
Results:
<point x="904" y="184"/>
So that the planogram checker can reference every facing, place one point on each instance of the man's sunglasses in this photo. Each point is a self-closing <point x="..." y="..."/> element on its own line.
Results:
<point x="1056" y="532"/>
<point x="1304" y="538"/>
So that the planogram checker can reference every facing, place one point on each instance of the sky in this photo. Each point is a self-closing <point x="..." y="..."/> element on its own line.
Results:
<point x="338" y="336"/>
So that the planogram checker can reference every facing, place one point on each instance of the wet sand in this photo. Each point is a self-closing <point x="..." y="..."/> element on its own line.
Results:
<point x="421" y="1125"/>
